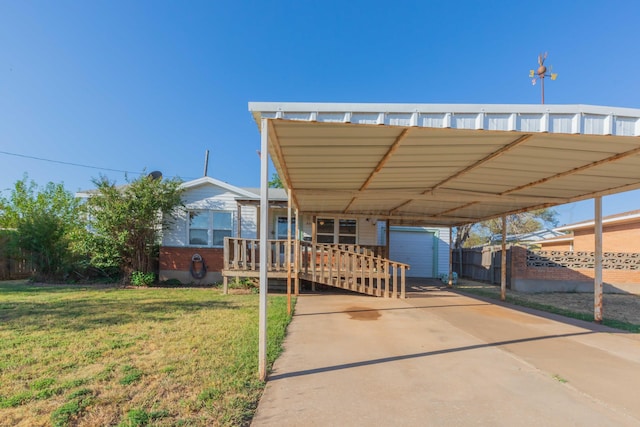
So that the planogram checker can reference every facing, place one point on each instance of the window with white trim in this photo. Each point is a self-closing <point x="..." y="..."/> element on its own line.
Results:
<point x="325" y="230"/>
<point x="209" y="228"/>
<point x="347" y="231"/>
<point x="332" y="230"/>
<point x="222" y="227"/>
<point x="199" y="228"/>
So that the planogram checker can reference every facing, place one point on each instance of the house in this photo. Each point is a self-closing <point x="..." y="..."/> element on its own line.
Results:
<point x="567" y="263"/>
<point x="620" y="233"/>
<point x="193" y="248"/>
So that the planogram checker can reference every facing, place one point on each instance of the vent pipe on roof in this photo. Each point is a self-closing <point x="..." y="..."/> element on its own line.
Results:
<point x="206" y="162"/>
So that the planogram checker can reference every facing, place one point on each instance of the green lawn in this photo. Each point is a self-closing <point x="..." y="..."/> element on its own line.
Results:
<point x="87" y="355"/>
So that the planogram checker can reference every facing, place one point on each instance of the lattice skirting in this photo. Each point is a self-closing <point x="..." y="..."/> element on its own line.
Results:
<point x="585" y="260"/>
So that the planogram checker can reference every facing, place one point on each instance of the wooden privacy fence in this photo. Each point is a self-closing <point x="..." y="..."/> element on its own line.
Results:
<point x="14" y="268"/>
<point x="482" y="264"/>
<point x="357" y="268"/>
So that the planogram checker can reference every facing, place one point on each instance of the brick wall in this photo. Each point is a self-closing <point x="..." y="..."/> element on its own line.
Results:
<point x="615" y="238"/>
<point x="179" y="258"/>
<point x="175" y="263"/>
<point x="538" y="279"/>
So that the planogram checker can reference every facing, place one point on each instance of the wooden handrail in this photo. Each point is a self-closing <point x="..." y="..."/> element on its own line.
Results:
<point x="345" y="266"/>
<point x="352" y="267"/>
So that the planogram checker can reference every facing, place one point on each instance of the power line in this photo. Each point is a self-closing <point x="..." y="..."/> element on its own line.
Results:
<point x="71" y="163"/>
<point x="66" y="163"/>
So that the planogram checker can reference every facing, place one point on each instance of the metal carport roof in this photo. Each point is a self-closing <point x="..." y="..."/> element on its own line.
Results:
<point x="444" y="164"/>
<point x="448" y="164"/>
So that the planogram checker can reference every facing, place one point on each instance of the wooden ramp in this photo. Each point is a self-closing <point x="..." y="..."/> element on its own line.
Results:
<point x="351" y="267"/>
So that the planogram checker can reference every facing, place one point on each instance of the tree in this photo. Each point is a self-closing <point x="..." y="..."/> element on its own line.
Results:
<point x="127" y="221"/>
<point x="46" y="220"/>
<point x="275" y="181"/>
<point x="481" y="233"/>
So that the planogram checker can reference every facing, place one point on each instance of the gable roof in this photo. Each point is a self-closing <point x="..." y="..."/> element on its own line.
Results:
<point x="448" y="164"/>
<point x="207" y="180"/>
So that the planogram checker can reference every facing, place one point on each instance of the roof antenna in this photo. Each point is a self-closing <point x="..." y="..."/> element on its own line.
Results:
<point x="206" y="162"/>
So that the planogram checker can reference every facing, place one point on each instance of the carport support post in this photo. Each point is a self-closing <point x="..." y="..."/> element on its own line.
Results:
<point x="450" y="285"/>
<point x="503" y="261"/>
<point x="296" y="256"/>
<point x="597" y="285"/>
<point x="314" y="243"/>
<point x="387" y="236"/>
<point x="264" y="212"/>
<point x="288" y="257"/>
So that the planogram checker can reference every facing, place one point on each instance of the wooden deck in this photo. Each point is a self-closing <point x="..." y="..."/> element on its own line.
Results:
<point x="353" y="267"/>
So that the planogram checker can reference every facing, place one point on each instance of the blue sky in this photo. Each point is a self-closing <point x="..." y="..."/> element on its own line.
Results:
<point x="151" y="85"/>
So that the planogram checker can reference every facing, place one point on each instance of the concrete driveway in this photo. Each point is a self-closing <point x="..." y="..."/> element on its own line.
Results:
<point x="442" y="359"/>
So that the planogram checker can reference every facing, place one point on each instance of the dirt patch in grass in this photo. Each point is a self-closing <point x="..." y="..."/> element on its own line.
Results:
<point x="623" y="308"/>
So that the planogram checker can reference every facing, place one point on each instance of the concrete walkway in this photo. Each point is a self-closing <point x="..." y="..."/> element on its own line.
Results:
<point x="443" y="359"/>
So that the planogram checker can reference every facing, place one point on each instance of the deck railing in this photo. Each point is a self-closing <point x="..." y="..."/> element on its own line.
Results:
<point x="244" y="254"/>
<point x="353" y="267"/>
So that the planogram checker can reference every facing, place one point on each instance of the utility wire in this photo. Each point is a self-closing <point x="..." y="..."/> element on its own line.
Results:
<point x="70" y="163"/>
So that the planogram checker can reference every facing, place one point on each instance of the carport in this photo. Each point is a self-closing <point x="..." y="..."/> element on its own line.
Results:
<point x="445" y="164"/>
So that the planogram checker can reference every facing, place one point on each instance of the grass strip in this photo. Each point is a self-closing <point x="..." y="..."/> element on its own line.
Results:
<point x="523" y="302"/>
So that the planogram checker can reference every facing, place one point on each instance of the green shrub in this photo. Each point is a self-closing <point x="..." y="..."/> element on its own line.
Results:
<point x="139" y="278"/>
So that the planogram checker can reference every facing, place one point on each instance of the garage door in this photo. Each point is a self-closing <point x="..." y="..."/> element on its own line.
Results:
<point x="414" y="248"/>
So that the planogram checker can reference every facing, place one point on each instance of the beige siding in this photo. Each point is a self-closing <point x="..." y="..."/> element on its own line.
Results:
<point x="367" y="231"/>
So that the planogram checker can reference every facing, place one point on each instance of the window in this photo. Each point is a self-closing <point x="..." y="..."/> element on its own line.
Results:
<point x="347" y="231"/>
<point x="199" y="228"/>
<point x="222" y="227"/>
<point x="209" y="228"/>
<point x="325" y="230"/>
<point x="281" y="228"/>
<point x="330" y="230"/>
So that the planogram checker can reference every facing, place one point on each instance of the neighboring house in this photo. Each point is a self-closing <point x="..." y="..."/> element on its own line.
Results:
<point x="567" y="263"/>
<point x="215" y="210"/>
<point x="620" y="233"/>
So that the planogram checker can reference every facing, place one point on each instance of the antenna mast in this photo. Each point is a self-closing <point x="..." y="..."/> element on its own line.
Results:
<point x="206" y="162"/>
